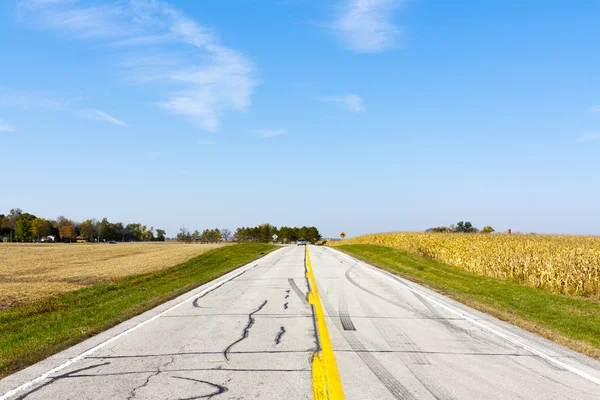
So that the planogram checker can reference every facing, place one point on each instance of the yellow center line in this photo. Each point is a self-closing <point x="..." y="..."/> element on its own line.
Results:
<point x="325" y="375"/>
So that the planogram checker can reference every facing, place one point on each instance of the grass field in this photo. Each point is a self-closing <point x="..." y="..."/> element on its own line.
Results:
<point x="559" y="264"/>
<point x="32" y="332"/>
<point x="572" y="322"/>
<point x="29" y="272"/>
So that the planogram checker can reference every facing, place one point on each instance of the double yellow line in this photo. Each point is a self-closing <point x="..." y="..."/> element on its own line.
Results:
<point x="325" y="375"/>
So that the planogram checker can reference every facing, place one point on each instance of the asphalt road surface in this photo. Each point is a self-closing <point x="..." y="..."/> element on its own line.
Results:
<point x="251" y="334"/>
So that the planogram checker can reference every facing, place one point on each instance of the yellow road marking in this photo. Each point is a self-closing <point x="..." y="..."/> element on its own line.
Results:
<point x="325" y="375"/>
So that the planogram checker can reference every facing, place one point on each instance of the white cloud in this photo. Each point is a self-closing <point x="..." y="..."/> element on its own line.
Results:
<point x="26" y="100"/>
<point x="101" y="116"/>
<point x="202" y="85"/>
<point x="366" y="25"/>
<point x="589" y="137"/>
<point x="594" y="109"/>
<point x="5" y="127"/>
<point x="267" y="133"/>
<point x="351" y="102"/>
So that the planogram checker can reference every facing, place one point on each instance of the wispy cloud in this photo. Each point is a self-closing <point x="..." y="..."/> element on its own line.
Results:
<point x="589" y="137"/>
<point x="101" y="116"/>
<point x="268" y="133"/>
<point x="351" y="102"/>
<point x="26" y="100"/>
<point x="594" y="109"/>
<point x="202" y="85"/>
<point x="5" y="127"/>
<point x="366" y="26"/>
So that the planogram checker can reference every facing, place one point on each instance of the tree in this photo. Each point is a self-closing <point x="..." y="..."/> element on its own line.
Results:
<point x="23" y="227"/>
<point x="86" y="229"/>
<point x="439" y="229"/>
<point x="487" y="229"/>
<point x="184" y="235"/>
<point x="215" y="235"/>
<point x="226" y="234"/>
<point x="464" y="227"/>
<point x="40" y="227"/>
<point x="161" y="235"/>
<point x="68" y="232"/>
<point x="12" y="217"/>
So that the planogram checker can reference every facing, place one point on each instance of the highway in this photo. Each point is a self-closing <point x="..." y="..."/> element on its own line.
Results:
<point x="253" y="333"/>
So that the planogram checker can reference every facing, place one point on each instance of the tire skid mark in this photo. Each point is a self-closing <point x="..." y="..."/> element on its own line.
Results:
<point x="397" y="339"/>
<point x="195" y="302"/>
<point x="219" y="389"/>
<point x="59" y="377"/>
<point x="385" y="377"/>
<point x="345" y="319"/>
<point x="297" y="290"/>
<point x="279" y="335"/>
<point x="358" y="285"/>
<point x="468" y="338"/>
<point x="245" y="332"/>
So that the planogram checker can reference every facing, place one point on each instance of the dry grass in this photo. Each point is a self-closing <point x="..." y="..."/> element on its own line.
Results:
<point x="29" y="272"/>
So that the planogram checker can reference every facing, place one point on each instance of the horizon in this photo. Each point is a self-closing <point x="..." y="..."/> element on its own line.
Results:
<point x="355" y="116"/>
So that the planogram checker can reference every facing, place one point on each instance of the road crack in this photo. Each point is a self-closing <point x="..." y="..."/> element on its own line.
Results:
<point x="245" y="332"/>
<point x="279" y="335"/>
<point x="219" y="389"/>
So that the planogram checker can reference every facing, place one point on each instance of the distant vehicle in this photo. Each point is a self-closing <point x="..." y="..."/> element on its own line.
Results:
<point x="112" y="242"/>
<point x="301" y="242"/>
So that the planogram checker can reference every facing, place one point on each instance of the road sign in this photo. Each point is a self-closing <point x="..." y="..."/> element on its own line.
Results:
<point x="342" y="235"/>
<point x="275" y="237"/>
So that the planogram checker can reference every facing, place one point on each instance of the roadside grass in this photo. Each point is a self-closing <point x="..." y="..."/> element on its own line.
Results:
<point x="572" y="322"/>
<point x="32" y="332"/>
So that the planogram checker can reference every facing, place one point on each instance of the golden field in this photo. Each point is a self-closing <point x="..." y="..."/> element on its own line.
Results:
<point x="31" y="271"/>
<point x="561" y="264"/>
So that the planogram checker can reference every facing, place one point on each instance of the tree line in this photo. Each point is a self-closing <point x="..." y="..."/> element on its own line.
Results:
<point x="285" y="234"/>
<point x="207" y="235"/>
<point x="461" y="227"/>
<point x="262" y="233"/>
<point x="18" y="226"/>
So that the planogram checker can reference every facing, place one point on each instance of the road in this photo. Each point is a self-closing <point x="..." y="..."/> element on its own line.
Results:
<point x="252" y="334"/>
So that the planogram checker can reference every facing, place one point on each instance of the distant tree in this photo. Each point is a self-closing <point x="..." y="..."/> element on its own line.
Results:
<point x="439" y="229"/>
<point x="40" y="228"/>
<point x="226" y="234"/>
<point x="67" y="232"/>
<point x="184" y="235"/>
<point x="23" y="227"/>
<point x="196" y="235"/>
<point x="149" y="234"/>
<point x="161" y="235"/>
<point x="240" y="235"/>
<point x="464" y="227"/>
<point x="487" y="229"/>
<point x="86" y="229"/>
<point x="12" y="217"/>
<point x="215" y="235"/>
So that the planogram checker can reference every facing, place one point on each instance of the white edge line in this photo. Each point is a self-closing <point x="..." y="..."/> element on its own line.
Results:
<point x="81" y="356"/>
<point x="495" y="330"/>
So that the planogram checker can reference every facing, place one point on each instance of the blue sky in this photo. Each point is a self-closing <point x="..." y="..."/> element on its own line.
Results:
<point x="354" y="115"/>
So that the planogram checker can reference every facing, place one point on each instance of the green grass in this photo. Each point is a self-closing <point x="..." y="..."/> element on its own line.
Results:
<point x="35" y="331"/>
<point x="573" y="322"/>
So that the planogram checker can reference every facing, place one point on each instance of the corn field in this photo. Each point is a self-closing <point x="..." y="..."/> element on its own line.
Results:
<point x="561" y="264"/>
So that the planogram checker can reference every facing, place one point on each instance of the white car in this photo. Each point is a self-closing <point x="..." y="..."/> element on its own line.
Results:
<point x="301" y="242"/>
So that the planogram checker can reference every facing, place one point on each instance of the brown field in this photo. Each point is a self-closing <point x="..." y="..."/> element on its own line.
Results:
<point x="29" y="272"/>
